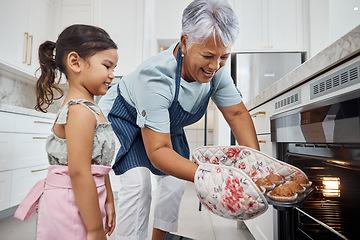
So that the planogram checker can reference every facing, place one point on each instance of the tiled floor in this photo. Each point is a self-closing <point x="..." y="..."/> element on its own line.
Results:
<point x="195" y="224"/>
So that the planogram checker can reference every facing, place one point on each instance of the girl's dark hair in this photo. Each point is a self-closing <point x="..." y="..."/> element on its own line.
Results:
<point x="85" y="40"/>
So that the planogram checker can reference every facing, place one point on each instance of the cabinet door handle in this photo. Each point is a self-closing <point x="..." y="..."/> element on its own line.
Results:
<point x="42" y="122"/>
<point x="39" y="170"/>
<point x="26" y="39"/>
<point x="31" y="47"/>
<point x="258" y="113"/>
<point x="39" y="137"/>
<point x="262" y="141"/>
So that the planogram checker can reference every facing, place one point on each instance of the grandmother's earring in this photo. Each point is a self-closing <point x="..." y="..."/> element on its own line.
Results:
<point x="182" y="55"/>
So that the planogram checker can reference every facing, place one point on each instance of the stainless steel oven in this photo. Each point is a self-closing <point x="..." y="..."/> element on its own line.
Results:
<point x="323" y="139"/>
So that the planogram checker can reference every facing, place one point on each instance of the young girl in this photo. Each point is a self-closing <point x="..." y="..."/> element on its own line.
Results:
<point x="76" y="196"/>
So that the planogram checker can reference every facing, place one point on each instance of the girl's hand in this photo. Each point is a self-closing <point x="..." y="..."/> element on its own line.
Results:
<point x="110" y="217"/>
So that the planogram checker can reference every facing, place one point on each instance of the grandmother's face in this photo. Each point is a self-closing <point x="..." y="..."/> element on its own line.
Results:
<point x="202" y="61"/>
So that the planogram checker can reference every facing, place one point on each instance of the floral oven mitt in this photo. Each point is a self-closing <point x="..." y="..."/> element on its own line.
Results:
<point x="225" y="179"/>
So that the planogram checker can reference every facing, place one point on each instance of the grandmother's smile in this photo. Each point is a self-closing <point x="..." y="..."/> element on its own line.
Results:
<point x="208" y="74"/>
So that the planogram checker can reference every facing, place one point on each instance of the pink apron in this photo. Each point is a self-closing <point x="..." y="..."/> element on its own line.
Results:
<point x="59" y="217"/>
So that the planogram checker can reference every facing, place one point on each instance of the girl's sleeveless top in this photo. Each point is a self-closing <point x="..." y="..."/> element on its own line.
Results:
<point x="103" y="145"/>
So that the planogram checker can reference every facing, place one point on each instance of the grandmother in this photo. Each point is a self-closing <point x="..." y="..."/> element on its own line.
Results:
<point x="150" y="107"/>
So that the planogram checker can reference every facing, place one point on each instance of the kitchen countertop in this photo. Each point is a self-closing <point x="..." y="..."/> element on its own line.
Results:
<point x="338" y="52"/>
<point x="25" y="111"/>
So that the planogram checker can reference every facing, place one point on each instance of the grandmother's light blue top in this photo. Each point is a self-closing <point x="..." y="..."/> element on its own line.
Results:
<point x="129" y="116"/>
<point x="150" y="89"/>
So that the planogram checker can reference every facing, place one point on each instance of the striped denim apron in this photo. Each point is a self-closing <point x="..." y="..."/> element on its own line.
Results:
<point x="123" y="120"/>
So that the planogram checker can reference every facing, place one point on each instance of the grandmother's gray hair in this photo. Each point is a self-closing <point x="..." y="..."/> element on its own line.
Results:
<point x="202" y="18"/>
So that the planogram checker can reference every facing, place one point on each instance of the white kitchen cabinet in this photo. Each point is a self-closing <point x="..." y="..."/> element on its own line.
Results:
<point x="74" y="12"/>
<point x="23" y="158"/>
<point x="13" y="27"/>
<point x="271" y="25"/>
<point x="168" y="16"/>
<point x="7" y="122"/>
<point x="261" y="118"/>
<point x="23" y="180"/>
<point x="14" y="122"/>
<point x="124" y="21"/>
<point x="286" y="24"/>
<point x="5" y="193"/>
<point x="33" y="124"/>
<point x="32" y="150"/>
<point x="24" y="26"/>
<point x="266" y="146"/>
<point x="6" y="153"/>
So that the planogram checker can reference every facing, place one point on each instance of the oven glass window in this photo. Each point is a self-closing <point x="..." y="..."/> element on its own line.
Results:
<point x="335" y="200"/>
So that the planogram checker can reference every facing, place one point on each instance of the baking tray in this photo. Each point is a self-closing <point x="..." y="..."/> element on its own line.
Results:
<point x="301" y="198"/>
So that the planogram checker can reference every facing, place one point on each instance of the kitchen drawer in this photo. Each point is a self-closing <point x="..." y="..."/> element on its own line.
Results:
<point x="266" y="146"/>
<point x="261" y="118"/>
<point x="29" y="150"/>
<point x="6" y="151"/>
<point x="23" y="180"/>
<point x="5" y="186"/>
<point x="7" y="122"/>
<point x="19" y="150"/>
<point x="31" y="124"/>
<point x="13" y="122"/>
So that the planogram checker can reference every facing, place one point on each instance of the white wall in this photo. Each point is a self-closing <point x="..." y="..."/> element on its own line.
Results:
<point x="149" y="44"/>
<point x="330" y="20"/>
<point x="342" y="17"/>
<point x="319" y="26"/>
<point x="124" y="21"/>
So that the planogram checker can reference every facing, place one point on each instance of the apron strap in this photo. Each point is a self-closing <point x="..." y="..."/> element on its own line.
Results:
<point x="179" y="60"/>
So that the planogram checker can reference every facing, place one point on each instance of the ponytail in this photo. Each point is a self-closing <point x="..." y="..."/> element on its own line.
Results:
<point x="46" y="82"/>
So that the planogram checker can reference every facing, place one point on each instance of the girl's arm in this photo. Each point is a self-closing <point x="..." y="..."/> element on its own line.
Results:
<point x="109" y="208"/>
<point x="241" y="125"/>
<point x="79" y="131"/>
<point x="163" y="157"/>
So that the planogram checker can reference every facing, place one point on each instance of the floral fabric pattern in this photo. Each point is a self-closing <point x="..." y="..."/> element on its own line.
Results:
<point x="225" y="179"/>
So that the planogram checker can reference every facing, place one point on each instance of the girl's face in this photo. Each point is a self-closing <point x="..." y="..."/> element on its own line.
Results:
<point x="202" y="61"/>
<point x="99" y="71"/>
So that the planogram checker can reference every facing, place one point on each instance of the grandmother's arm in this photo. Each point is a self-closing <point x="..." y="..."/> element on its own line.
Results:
<point x="241" y="124"/>
<point x="161" y="154"/>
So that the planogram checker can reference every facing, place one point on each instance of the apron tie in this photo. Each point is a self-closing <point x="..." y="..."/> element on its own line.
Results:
<point x="58" y="177"/>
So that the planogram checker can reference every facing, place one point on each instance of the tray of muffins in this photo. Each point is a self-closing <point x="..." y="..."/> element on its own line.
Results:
<point x="264" y="179"/>
<point x="285" y="193"/>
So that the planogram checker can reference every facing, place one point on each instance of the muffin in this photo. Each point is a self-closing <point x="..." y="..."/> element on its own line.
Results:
<point x="265" y="183"/>
<point x="274" y="178"/>
<point x="294" y="186"/>
<point x="282" y="194"/>
<point x="303" y="181"/>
